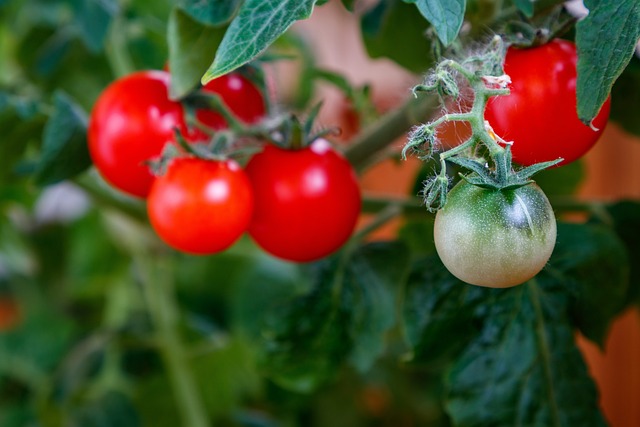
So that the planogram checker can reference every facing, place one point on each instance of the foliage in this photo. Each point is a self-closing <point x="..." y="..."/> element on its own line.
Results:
<point x="116" y="329"/>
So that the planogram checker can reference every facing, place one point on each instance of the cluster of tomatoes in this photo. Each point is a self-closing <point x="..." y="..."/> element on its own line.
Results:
<point x="297" y="204"/>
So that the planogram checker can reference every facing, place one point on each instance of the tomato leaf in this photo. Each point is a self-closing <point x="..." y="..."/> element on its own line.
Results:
<point x="64" y="147"/>
<point x="445" y="16"/>
<point x="592" y="262"/>
<point x="93" y="18"/>
<point x="525" y="6"/>
<point x="187" y="40"/>
<point x="212" y="12"/>
<point x="349" y="4"/>
<point x="519" y="340"/>
<point x="110" y="409"/>
<point x="387" y="26"/>
<point x="257" y="24"/>
<point x="606" y="40"/>
<point x="344" y="316"/>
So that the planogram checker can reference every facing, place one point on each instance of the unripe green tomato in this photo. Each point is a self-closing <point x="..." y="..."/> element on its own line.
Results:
<point x="495" y="238"/>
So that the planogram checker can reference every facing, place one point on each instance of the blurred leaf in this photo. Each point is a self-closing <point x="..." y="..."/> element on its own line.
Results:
<point x="563" y="181"/>
<point x="445" y="16"/>
<point x="418" y="235"/>
<point x="591" y="261"/>
<point x="349" y="4"/>
<point x="190" y="44"/>
<point x="518" y="340"/>
<point x="386" y="29"/>
<point x="64" y="148"/>
<point x="625" y="98"/>
<point x="606" y="40"/>
<point x="212" y="12"/>
<point x="113" y="409"/>
<point x="624" y="218"/>
<point x="258" y="24"/>
<point x="93" y="18"/>
<point x="525" y="6"/>
<point x="344" y="316"/>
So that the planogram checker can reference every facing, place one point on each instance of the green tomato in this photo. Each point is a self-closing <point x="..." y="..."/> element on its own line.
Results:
<point x="495" y="238"/>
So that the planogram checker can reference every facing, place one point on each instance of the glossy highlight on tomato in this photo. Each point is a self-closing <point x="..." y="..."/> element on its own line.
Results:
<point x="307" y="201"/>
<point x="131" y="122"/>
<point x="201" y="206"/>
<point x="241" y="97"/>
<point x="539" y="115"/>
<point x="495" y="238"/>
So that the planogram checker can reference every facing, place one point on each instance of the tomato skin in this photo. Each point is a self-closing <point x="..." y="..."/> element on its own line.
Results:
<point x="240" y="96"/>
<point x="307" y="201"/>
<point x="130" y="123"/>
<point x="201" y="206"/>
<point x="539" y="115"/>
<point x="495" y="238"/>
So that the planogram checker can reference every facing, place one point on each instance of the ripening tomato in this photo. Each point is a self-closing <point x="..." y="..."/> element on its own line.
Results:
<point x="539" y="115"/>
<point x="307" y="201"/>
<point x="240" y="96"/>
<point x="131" y="122"/>
<point x="200" y="206"/>
<point x="495" y="238"/>
<point x="10" y="313"/>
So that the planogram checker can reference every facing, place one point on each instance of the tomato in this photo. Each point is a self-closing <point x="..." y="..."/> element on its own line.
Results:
<point x="539" y="115"/>
<point x="130" y="123"/>
<point x="200" y="206"/>
<point x="307" y="201"/>
<point x="495" y="238"/>
<point x="240" y="96"/>
<point x="10" y="314"/>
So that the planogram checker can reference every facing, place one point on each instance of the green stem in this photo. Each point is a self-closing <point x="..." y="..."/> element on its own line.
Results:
<point x="158" y="292"/>
<point x="116" y="51"/>
<point x="387" y="129"/>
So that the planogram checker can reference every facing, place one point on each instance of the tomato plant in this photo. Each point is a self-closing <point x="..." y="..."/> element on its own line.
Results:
<point x="131" y="122"/>
<point x="539" y="115"/>
<point x="495" y="238"/>
<point x="307" y="201"/>
<point x="200" y="206"/>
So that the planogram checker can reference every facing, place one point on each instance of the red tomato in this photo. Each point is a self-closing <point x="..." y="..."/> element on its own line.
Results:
<point x="201" y="206"/>
<point x="307" y="201"/>
<point x="539" y="115"/>
<point x="10" y="314"/>
<point x="131" y="122"/>
<point x="239" y="94"/>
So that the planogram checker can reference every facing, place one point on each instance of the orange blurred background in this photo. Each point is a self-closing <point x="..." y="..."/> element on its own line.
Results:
<point x="333" y="34"/>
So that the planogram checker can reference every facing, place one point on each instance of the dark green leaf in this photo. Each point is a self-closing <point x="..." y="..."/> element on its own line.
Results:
<point x="258" y="24"/>
<point x="212" y="12"/>
<point x="592" y="262"/>
<point x="625" y="98"/>
<point x="445" y="16"/>
<point x="562" y="181"/>
<point x="93" y="18"/>
<point x="386" y="29"/>
<point x="64" y="148"/>
<point x="525" y="6"/>
<point x="344" y="316"/>
<point x="514" y="360"/>
<point x="190" y="44"/>
<point x="606" y="40"/>
<point x="349" y="4"/>
<point x="624" y="217"/>
<point x="113" y="409"/>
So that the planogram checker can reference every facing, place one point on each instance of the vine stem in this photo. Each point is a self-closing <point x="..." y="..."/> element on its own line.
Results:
<point x="158" y="292"/>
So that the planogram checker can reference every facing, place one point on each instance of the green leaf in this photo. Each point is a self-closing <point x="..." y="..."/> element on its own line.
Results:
<point x="625" y="98"/>
<point x="64" y="148"/>
<point x="212" y="12"/>
<point x="624" y="218"/>
<point x="593" y="263"/>
<point x="258" y="24"/>
<point x="525" y="6"/>
<point x="563" y="181"/>
<point x="386" y="29"/>
<point x="93" y="18"/>
<point x="514" y="360"/>
<point x="111" y="409"/>
<point x="349" y="4"/>
<point x="189" y="42"/>
<point x="344" y="316"/>
<point x="445" y="16"/>
<point x="606" y="40"/>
